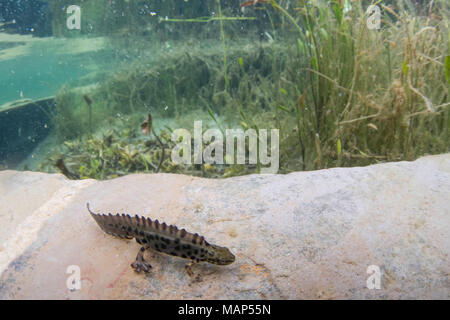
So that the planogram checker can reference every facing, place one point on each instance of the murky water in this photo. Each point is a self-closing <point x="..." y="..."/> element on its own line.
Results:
<point x="322" y="83"/>
<point x="42" y="69"/>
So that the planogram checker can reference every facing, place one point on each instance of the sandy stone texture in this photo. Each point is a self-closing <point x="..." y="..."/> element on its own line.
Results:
<point x="304" y="235"/>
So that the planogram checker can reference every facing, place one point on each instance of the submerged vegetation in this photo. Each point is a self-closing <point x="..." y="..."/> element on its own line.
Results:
<point x="340" y="93"/>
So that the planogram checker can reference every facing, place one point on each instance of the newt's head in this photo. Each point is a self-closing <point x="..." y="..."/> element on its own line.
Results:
<point x="221" y="256"/>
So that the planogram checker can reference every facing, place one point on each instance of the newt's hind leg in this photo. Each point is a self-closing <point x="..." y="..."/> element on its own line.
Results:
<point x="140" y="263"/>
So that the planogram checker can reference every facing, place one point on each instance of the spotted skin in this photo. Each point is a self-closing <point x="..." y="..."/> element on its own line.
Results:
<point x="163" y="238"/>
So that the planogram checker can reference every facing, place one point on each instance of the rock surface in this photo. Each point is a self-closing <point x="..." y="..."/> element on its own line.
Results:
<point x="306" y="235"/>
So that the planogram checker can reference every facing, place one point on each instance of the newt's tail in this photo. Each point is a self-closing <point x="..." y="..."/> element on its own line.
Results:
<point x="122" y="226"/>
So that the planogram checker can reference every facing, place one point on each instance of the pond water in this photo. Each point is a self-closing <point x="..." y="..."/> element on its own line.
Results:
<point x="42" y="67"/>
<point x="316" y="84"/>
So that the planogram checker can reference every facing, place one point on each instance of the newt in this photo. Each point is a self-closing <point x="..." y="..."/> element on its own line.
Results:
<point x="168" y="239"/>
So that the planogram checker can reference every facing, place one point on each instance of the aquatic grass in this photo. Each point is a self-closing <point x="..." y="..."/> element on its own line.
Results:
<point x="365" y="90"/>
<point x="340" y="93"/>
<point x="221" y="19"/>
<point x="222" y="35"/>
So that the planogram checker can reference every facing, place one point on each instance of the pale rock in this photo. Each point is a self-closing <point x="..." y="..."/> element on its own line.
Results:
<point x="304" y="235"/>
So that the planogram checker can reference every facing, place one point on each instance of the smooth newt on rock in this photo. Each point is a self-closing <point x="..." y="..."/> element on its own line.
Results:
<point x="162" y="238"/>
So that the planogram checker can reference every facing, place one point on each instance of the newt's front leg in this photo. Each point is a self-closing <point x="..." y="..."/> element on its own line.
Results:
<point x="140" y="263"/>
<point x="188" y="268"/>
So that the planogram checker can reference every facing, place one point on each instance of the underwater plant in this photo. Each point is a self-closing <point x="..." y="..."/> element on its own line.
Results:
<point x="340" y="93"/>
